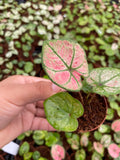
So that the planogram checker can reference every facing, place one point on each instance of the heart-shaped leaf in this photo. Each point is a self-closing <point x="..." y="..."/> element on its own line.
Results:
<point x="117" y="137"/>
<point x="62" y="111"/>
<point x="84" y="140"/>
<point x="105" y="81"/>
<point x="64" y="62"/>
<point x="96" y="156"/>
<point x="80" y="154"/>
<point x="114" y="150"/>
<point x="98" y="147"/>
<point x="116" y="125"/>
<point x="106" y="140"/>
<point x="57" y="152"/>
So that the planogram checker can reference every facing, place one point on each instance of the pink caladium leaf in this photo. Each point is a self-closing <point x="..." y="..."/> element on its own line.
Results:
<point x="57" y="152"/>
<point x="105" y="81"/>
<point x="64" y="62"/>
<point x="99" y="147"/>
<point x="84" y="140"/>
<point x="116" y="125"/>
<point x="114" y="150"/>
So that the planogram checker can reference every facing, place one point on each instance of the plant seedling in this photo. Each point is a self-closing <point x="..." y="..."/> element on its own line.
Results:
<point x="106" y="140"/>
<point x="74" y="141"/>
<point x="84" y="140"/>
<point x="114" y="150"/>
<point x="68" y="134"/>
<point x="21" y="137"/>
<point x="99" y="148"/>
<point x="24" y="148"/>
<point x="104" y="128"/>
<point x="57" y="152"/>
<point x="36" y="155"/>
<point x="110" y="114"/>
<point x="114" y="105"/>
<point x="27" y="156"/>
<point x="39" y="136"/>
<point x="80" y="154"/>
<point x="105" y="81"/>
<point x="52" y="138"/>
<point x="28" y="133"/>
<point x="97" y="135"/>
<point x="96" y="156"/>
<point x="116" y="126"/>
<point x="117" y="137"/>
<point x="65" y="62"/>
<point x="28" y="67"/>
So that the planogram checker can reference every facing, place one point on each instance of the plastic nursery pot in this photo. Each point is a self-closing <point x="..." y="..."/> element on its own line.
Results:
<point x="95" y="111"/>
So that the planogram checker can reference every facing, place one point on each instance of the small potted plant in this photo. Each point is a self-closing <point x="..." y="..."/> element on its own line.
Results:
<point x="65" y="62"/>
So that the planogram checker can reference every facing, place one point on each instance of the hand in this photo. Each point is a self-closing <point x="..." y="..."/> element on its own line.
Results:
<point x="21" y="105"/>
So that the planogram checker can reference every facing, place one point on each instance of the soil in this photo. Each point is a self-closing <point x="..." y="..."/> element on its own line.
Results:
<point x="95" y="109"/>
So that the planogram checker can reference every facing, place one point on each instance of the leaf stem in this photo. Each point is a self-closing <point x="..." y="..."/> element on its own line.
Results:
<point x="87" y="95"/>
<point x="91" y="98"/>
<point x="81" y="98"/>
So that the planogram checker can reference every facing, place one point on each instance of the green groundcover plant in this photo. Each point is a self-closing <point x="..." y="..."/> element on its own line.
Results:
<point x="96" y="27"/>
<point x="65" y="62"/>
<point x="23" y="27"/>
<point x="106" y="143"/>
<point x="106" y="140"/>
<point x="49" y="139"/>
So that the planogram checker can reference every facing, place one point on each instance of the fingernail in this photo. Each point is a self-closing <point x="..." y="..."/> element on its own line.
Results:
<point x="56" y="88"/>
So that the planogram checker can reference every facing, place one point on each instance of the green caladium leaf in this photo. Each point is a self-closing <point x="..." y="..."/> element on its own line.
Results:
<point x="80" y="154"/>
<point x="39" y="134"/>
<point x="104" y="128"/>
<point x="105" y="81"/>
<point x="52" y="138"/>
<point x="97" y="135"/>
<point x="36" y="155"/>
<point x="27" y="156"/>
<point x="106" y="140"/>
<point x="24" y="148"/>
<point x="110" y="114"/>
<point x="96" y="156"/>
<point x="74" y="141"/>
<point x="64" y="61"/>
<point x="117" y="137"/>
<point x="62" y="111"/>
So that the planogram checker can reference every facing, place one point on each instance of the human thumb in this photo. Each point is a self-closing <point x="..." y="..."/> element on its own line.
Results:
<point x="23" y="94"/>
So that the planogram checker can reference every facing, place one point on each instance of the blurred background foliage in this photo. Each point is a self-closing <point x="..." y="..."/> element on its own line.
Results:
<point x="95" y="25"/>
